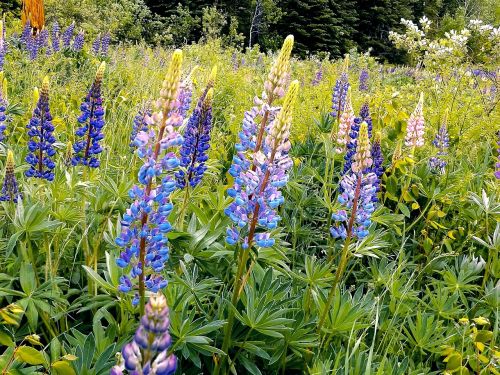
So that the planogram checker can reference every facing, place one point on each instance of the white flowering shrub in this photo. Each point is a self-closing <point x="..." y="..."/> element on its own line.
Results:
<point x="477" y="43"/>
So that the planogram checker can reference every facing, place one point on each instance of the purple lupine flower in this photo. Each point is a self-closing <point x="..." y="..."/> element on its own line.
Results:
<point x="3" y="109"/>
<point x="55" y="37"/>
<point x="106" y="39"/>
<point x="79" y="41"/>
<point x="148" y="351"/>
<point x="340" y="91"/>
<point x="10" y="190"/>
<point x="67" y="35"/>
<point x="3" y="45"/>
<point x="363" y="80"/>
<point x="141" y="123"/>
<point x="42" y="39"/>
<point x="345" y="124"/>
<point x="364" y="116"/>
<point x="260" y="175"/>
<point x="318" y="76"/>
<point x="26" y="34"/>
<point x="497" y="165"/>
<point x="441" y="142"/>
<point x="196" y="143"/>
<point x="40" y="145"/>
<point x="185" y="96"/>
<point x="145" y="224"/>
<point x="91" y="123"/>
<point x="32" y="46"/>
<point x="96" y="45"/>
<point x="377" y="167"/>
<point x="358" y="190"/>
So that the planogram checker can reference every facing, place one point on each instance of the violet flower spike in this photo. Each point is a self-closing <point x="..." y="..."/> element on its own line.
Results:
<point x="147" y="353"/>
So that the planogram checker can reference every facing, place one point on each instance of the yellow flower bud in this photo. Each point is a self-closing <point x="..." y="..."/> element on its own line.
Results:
<point x="100" y="72"/>
<point x="171" y="83"/>
<point x="212" y="77"/>
<point x="45" y="86"/>
<point x="10" y="164"/>
<point x="362" y="157"/>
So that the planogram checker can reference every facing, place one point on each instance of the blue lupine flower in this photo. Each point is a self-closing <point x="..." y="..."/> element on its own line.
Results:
<point x="141" y="122"/>
<point x="148" y="351"/>
<point x="55" y="37"/>
<point x="318" y="76"/>
<point x="105" y="44"/>
<point x="96" y="45"/>
<point x="145" y="224"/>
<point x="40" y="145"/>
<point x="437" y="163"/>
<point x="357" y="192"/>
<point x="3" y="45"/>
<point x="26" y="33"/>
<point x="339" y="95"/>
<point x="377" y="167"/>
<point x="67" y="35"/>
<point x="3" y="109"/>
<point x="79" y="41"/>
<point x="364" y="116"/>
<point x="258" y="176"/>
<point x="10" y="190"/>
<point x="92" y="122"/>
<point x="196" y="143"/>
<point x="363" y="80"/>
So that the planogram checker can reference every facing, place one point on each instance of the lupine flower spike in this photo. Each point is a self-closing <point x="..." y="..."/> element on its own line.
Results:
<point x="79" y="41"/>
<point x="364" y="116"/>
<point x="148" y="351"/>
<point x="318" y="76"/>
<point x="40" y="131"/>
<point x="141" y="122"/>
<point x="67" y="35"/>
<point x="358" y="192"/>
<point x="145" y="224"/>
<point x="497" y="165"/>
<point x="3" y="44"/>
<point x="363" y="80"/>
<point x="91" y="123"/>
<point x="259" y="177"/>
<point x="196" y="142"/>
<point x="437" y="163"/>
<point x="377" y="167"/>
<point x="55" y="37"/>
<point x="3" y="107"/>
<point x="415" y="128"/>
<point x="340" y="91"/>
<point x="96" y="45"/>
<point x="10" y="189"/>
<point x="345" y="125"/>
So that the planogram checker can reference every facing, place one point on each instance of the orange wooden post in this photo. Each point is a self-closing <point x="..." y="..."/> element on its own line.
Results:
<point x="33" y="12"/>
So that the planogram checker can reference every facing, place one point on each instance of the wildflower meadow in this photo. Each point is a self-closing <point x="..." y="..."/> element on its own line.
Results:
<point x="204" y="209"/>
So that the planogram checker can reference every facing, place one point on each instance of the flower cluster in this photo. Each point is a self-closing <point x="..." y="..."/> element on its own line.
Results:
<point x="91" y="123"/>
<point x="377" y="167"/>
<point x="67" y="36"/>
<point x="145" y="224"/>
<point x="363" y="80"/>
<point x="437" y="163"/>
<point x="3" y="107"/>
<point x="100" y="45"/>
<point x="40" y="145"/>
<point x="345" y="124"/>
<point x="364" y="116"/>
<point x="415" y="127"/>
<point x="79" y="41"/>
<point x="196" y="143"/>
<point x="10" y="189"/>
<point x="340" y="91"/>
<point x="148" y="351"/>
<point x="497" y="165"/>
<point x="55" y="37"/>
<point x="258" y="176"/>
<point x="318" y="76"/>
<point x="141" y="123"/>
<point x="358" y="190"/>
<point x="3" y="44"/>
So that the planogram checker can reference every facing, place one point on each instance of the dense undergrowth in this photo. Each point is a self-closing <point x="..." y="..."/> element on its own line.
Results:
<point x="419" y="293"/>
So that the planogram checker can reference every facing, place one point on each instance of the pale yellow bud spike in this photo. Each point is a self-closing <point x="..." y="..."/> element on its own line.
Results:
<point x="100" y="71"/>
<point x="285" y="115"/>
<point x="45" y="86"/>
<point x="36" y="96"/>
<point x="209" y="97"/>
<point x="10" y="164"/>
<point x="445" y="117"/>
<point x="213" y="76"/>
<point x="345" y="65"/>
<point x="171" y="83"/>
